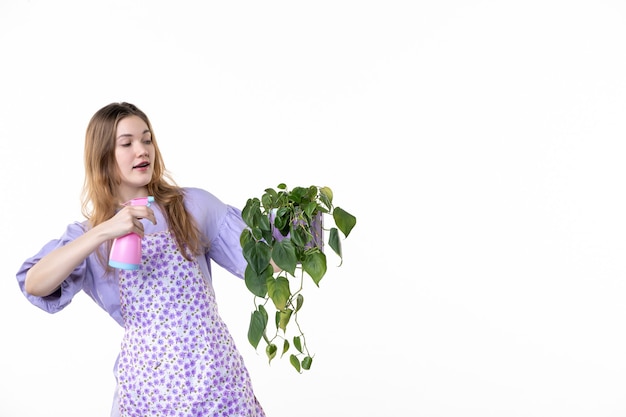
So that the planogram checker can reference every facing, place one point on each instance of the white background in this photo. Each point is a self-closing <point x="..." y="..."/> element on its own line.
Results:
<point x="480" y="145"/>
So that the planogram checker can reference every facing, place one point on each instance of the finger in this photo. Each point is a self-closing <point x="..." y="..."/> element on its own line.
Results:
<point x="144" y="212"/>
<point x="138" y="226"/>
<point x="150" y="215"/>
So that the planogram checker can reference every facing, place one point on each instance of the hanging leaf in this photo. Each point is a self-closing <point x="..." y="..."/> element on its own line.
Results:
<point x="315" y="265"/>
<point x="270" y="351"/>
<point x="257" y="283"/>
<point x="297" y="343"/>
<point x="285" y="315"/>
<point x="293" y="359"/>
<point x="258" y="322"/>
<point x="278" y="290"/>
<point x="299" y="301"/>
<point x="334" y="242"/>
<point x="344" y="220"/>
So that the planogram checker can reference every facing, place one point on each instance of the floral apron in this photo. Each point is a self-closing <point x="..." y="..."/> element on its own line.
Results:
<point x="177" y="356"/>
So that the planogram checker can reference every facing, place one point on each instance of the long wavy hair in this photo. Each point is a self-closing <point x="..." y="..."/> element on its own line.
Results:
<point x="99" y="196"/>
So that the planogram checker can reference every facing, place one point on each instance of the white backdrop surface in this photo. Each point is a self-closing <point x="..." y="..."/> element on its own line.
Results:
<point x="479" y="143"/>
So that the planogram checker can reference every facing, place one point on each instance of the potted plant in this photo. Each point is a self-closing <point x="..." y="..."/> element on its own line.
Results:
<point x="283" y="245"/>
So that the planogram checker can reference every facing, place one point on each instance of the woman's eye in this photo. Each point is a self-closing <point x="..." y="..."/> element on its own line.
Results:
<point x="147" y="141"/>
<point x="125" y="145"/>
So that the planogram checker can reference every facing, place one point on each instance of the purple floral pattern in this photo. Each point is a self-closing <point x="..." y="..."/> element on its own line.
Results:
<point x="178" y="357"/>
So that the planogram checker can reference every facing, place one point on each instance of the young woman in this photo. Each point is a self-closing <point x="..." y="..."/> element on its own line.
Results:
<point x="177" y="357"/>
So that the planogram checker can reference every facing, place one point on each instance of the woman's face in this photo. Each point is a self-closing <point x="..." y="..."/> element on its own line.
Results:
<point x="134" y="153"/>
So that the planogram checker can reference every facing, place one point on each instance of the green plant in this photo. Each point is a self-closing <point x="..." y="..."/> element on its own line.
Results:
<point x="284" y="242"/>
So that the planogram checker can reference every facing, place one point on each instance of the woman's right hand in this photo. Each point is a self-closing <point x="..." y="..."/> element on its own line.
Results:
<point x="47" y="275"/>
<point x="127" y="220"/>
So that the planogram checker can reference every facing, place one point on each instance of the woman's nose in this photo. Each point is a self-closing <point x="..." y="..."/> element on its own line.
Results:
<point x="141" y="149"/>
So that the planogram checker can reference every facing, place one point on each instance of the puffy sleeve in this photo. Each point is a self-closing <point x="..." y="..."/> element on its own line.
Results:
<point x="226" y="247"/>
<point x="71" y="286"/>
<point x="222" y="224"/>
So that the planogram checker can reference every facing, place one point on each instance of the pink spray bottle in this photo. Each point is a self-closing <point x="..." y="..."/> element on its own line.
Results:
<point x="126" y="250"/>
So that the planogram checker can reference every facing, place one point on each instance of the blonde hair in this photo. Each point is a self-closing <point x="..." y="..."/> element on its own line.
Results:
<point x="99" y="198"/>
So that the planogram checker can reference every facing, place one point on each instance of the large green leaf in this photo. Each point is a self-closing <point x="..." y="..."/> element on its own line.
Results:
<point x="258" y="255"/>
<point x="333" y="241"/>
<point x="264" y="224"/>
<point x="251" y="211"/>
<point x="310" y="208"/>
<point x="284" y="255"/>
<point x="258" y="322"/>
<point x="298" y="194"/>
<point x="344" y="220"/>
<point x="269" y="197"/>
<point x="279" y="292"/>
<point x="285" y="316"/>
<point x="257" y="283"/>
<point x="315" y="265"/>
